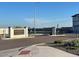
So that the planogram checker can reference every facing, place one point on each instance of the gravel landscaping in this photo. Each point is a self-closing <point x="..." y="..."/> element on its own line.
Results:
<point x="71" y="46"/>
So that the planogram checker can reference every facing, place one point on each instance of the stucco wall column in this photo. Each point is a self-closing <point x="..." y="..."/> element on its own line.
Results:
<point x="11" y="32"/>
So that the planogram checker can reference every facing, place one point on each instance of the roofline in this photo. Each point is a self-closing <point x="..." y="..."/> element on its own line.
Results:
<point x="75" y="15"/>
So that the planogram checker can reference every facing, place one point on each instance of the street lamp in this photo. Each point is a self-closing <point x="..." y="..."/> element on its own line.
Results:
<point x="34" y="19"/>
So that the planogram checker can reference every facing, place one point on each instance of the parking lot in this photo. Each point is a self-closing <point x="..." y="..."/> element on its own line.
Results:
<point x="14" y="43"/>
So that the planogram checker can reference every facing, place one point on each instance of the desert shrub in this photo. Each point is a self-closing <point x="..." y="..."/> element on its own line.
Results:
<point x="69" y="44"/>
<point x="71" y="48"/>
<point x="76" y="42"/>
<point x="72" y="43"/>
<point x="58" y="42"/>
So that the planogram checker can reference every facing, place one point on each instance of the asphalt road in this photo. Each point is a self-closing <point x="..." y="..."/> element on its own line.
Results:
<point x="9" y="44"/>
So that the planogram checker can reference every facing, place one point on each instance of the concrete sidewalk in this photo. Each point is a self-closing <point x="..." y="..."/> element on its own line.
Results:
<point x="36" y="51"/>
<point x="45" y="51"/>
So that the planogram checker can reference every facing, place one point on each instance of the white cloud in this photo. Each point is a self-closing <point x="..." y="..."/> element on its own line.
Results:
<point x="47" y="23"/>
<point x="38" y="22"/>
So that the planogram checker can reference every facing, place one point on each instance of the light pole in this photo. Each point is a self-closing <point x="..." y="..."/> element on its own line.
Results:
<point x="34" y="19"/>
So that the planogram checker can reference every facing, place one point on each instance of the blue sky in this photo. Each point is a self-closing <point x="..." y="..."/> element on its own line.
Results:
<point x="47" y="14"/>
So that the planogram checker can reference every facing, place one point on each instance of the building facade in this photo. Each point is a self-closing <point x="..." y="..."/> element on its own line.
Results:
<point x="75" y="23"/>
<point x="64" y="30"/>
<point x="44" y="31"/>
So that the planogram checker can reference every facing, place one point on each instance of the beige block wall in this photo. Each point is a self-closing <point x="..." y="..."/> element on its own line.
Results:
<point x="3" y="30"/>
<point x="19" y="36"/>
<point x="6" y="31"/>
